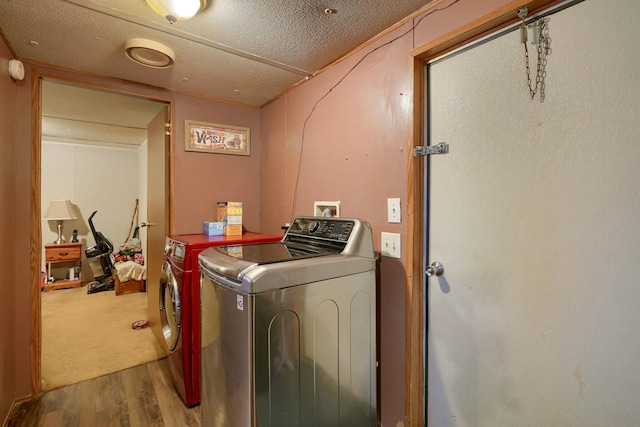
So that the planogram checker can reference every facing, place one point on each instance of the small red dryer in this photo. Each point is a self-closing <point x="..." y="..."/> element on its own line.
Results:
<point x="180" y="304"/>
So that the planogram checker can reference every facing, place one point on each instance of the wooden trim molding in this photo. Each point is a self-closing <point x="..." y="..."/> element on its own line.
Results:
<point x="36" y="236"/>
<point x="478" y="28"/>
<point x="502" y="17"/>
<point x="414" y="329"/>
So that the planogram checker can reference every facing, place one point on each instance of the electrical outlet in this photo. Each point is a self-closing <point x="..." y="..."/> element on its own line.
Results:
<point x="390" y="244"/>
<point x="393" y="210"/>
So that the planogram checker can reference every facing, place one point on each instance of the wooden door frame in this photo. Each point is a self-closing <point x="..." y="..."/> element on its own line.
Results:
<point x="36" y="215"/>
<point x="415" y="403"/>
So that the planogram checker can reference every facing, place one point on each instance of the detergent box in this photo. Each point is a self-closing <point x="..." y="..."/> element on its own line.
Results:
<point x="212" y="228"/>
<point x="230" y="215"/>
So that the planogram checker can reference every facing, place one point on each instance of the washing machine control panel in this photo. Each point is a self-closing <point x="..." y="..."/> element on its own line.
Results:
<point x="324" y="228"/>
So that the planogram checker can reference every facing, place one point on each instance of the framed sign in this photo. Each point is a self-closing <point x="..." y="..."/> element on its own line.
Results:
<point x="215" y="138"/>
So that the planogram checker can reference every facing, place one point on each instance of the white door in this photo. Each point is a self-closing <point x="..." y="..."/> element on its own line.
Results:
<point x="535" y="215"/>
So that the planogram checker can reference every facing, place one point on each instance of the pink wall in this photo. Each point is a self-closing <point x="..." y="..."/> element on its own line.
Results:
<point x="345" y="156"/>
<point x="354" y="150"/>
<point x="8" y="93"/>
<point x="202" y="179"/>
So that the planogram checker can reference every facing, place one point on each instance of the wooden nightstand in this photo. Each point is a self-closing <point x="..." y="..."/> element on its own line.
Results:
<point x="68" y="255"/>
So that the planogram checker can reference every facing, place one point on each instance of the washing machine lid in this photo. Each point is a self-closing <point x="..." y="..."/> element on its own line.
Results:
<point x="267" y="253"/>
<point x="313" y="249"/>
<point x="234" y="260"/>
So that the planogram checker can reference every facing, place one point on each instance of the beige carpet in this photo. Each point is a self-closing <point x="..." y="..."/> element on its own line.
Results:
<point x="87" y="336"/>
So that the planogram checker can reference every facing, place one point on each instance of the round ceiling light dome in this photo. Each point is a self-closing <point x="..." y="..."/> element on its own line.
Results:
<point x="177" y="10"/>
<point x="149" y="53"/>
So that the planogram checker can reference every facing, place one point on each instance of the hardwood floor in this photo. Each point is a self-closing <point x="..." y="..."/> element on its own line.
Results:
<point x="138" y="397"/>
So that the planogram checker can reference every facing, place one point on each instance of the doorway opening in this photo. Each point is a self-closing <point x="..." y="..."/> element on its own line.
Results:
<point x="94" y="148"/>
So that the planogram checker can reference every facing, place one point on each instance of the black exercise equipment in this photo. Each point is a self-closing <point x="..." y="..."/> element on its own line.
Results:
<point x="99" y="257"/>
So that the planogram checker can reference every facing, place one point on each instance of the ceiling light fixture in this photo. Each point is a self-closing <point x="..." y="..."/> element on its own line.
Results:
<point x="177" y="10"/>
<point x="149" y="53"/>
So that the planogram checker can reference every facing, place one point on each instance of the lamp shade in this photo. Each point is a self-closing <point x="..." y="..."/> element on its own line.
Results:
<point x="177" y="10"/>
<point x="60" y="210"/>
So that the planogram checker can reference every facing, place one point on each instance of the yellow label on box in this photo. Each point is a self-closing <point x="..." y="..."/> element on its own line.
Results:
<point x="230" y="214"/>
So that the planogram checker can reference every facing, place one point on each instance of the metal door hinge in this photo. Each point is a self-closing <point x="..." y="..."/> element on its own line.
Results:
<point x="167" y="128"/>
<point x="440" y="148"/>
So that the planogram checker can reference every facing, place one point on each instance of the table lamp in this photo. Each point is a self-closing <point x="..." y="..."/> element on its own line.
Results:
<point x="60" y="210"/>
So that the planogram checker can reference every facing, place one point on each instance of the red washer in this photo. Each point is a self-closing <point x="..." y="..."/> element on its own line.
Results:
<point x="179" y="304"/>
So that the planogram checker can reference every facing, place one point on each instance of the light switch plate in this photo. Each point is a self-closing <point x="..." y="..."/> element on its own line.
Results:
<point x="393" y="210"/>
<point x="390" y="245"/>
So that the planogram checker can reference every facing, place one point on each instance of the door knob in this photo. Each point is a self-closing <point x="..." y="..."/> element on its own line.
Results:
<point x="435" y="269"/>
<point x="147" y="224"/>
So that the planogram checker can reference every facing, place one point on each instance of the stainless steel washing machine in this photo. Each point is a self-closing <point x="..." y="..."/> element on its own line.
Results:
<point x="288" y="329"/>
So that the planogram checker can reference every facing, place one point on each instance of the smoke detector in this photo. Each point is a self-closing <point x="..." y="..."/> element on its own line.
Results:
<point x="149" y="53"/>
<point x="16" y="69"/>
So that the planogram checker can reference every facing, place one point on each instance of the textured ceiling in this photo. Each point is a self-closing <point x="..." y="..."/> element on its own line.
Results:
<point x="243" y="51"/>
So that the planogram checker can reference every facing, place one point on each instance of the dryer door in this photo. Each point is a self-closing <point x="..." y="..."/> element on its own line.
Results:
<point x="170" y="316"/>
